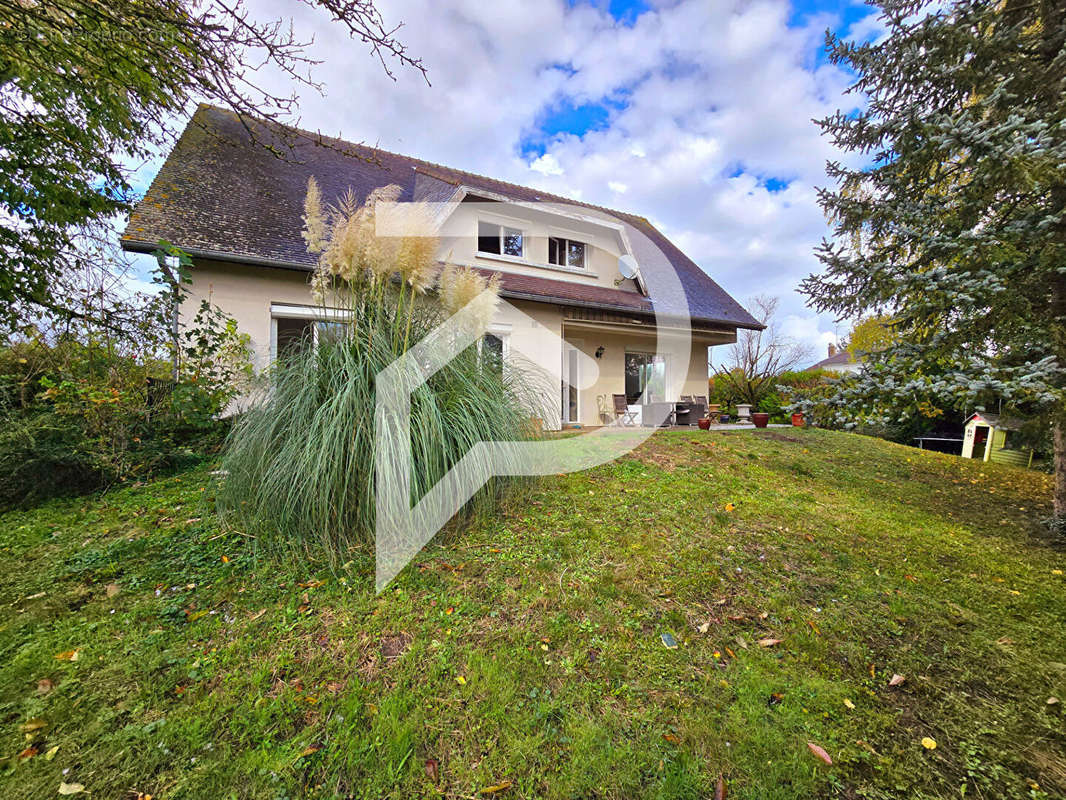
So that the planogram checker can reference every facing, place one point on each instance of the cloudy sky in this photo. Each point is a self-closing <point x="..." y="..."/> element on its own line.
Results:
<point x="696" y="114"/>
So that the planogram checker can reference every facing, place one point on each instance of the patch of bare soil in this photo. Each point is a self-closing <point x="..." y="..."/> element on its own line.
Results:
<point x="393" y="646"/>
<point x="778" y="437"/>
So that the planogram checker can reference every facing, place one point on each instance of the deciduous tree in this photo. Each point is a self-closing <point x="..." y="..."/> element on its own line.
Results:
<point x="86" y="92"/>
<point x="756" y="359"/>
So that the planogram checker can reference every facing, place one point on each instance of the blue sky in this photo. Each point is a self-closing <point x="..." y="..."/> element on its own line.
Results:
<point x="693" y="113"/>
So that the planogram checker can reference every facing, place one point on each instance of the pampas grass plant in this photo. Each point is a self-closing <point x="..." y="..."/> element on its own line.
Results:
<point x="300" y="462"/>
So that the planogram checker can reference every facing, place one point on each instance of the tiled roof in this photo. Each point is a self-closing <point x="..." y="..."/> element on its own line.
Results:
<point x="222" y="195"/>
<point x="531" y="287"/>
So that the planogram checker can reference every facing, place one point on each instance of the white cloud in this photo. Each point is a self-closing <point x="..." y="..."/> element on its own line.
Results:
<point x="713" y="99"/>
<point x="547" y="164"/>
<point x="809" y="329"/>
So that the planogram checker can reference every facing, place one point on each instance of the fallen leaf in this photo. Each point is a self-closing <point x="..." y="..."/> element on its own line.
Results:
<point x="497" y="788"/>
<point x="719" y="788"/>
<point x="849" y="704"/>
<point x="432" y="770"/>
<point x="34" y="724"/>
<point x="768" y="642"/>
<point x="308" y="751"/>
<point x="775" y="699"/>
<point x="39" y="595"/>
<point x="671" y="738"/>
<point x="257" y="615"/>
<point x="29" y="752"/>
<point x="70" y="788"/>
<point x="730" y="506"/>
<point x="460" y="680"/>
<point x="44" y="686"/>
<point x="929" y="744"/>
<point x="896" y="680"/>
<point x="225" y="559"/>
<point x="706" y="626"/>
<point x="68" y="655"/>
<point x="668" y="641"/>
<point x="51" y="753"/>
<point x="112" y="589"/>
<point x="1053" y="701"/>
<point x="820" y="752"/>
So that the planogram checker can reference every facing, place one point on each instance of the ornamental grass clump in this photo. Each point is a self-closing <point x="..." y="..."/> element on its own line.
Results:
<point x="300" y="463"/>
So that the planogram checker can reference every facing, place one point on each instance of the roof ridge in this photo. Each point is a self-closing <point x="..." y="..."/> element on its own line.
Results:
<point x="319" y="135"/>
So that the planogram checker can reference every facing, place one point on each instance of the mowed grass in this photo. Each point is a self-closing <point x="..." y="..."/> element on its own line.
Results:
<point x="526" y="657"/>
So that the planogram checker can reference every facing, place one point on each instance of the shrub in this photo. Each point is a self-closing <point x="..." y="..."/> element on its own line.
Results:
<point x="300" y="462"/>
<point x="81" y="411"/>
<point x="43" y="455"/>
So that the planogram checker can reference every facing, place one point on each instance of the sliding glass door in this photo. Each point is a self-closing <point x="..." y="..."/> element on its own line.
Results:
<point x="571" y="380"/>
<point x="645" y="375"/>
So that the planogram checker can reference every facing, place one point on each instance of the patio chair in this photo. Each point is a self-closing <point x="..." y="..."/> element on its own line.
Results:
<point x="622" y="414"/>
<point x="698" y="407"/>
<point x="683" y="411"/>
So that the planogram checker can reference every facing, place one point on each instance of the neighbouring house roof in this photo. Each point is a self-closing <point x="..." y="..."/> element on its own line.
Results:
<point x="222" y="194"/>
<point x="995" y="420"/>
<point x="836" y="360"/>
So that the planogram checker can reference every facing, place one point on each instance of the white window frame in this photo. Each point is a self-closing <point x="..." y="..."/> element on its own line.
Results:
<point x="501" y="331"/>
<point x="504" y="228"/>
<point x="309" y="313"/>
<point x="564" y="403"/>
<point x="566" y="240"/>
<point x="665" y="361"/>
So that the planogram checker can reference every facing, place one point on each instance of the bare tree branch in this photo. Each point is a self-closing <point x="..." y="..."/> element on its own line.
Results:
<point x="758" y="357"/>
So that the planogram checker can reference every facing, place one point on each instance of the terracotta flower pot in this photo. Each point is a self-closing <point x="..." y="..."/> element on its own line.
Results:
<point x="760" y="418"/>
<point x="704" y="423"/>
<point x="797" y="419"/>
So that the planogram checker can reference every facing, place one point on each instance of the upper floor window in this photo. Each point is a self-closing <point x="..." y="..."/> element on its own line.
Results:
<point x="499" y="239"/>
<point x="566" y="252"/>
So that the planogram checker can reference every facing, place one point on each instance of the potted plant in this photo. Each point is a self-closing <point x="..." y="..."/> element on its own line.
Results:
<point x="704" y="423"/>
<point x="797" y="419"/>
<point x="760" y="418"/>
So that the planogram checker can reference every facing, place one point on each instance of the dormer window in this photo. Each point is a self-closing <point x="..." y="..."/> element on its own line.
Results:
<point x="499" y="240"/>
<point x="566" y="252"/>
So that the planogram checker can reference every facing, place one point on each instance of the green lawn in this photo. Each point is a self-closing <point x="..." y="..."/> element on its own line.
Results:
<point x="526" y="657"/>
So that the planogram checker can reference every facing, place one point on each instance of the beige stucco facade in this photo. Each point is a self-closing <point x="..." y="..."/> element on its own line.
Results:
<point x="256" y="296"/>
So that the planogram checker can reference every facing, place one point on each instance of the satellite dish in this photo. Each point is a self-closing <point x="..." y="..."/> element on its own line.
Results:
<point x="627" y="265"/>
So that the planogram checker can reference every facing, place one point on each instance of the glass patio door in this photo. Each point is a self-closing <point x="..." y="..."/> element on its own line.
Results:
<point x="645" y="375"/>
<point x="571" y="380"/>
